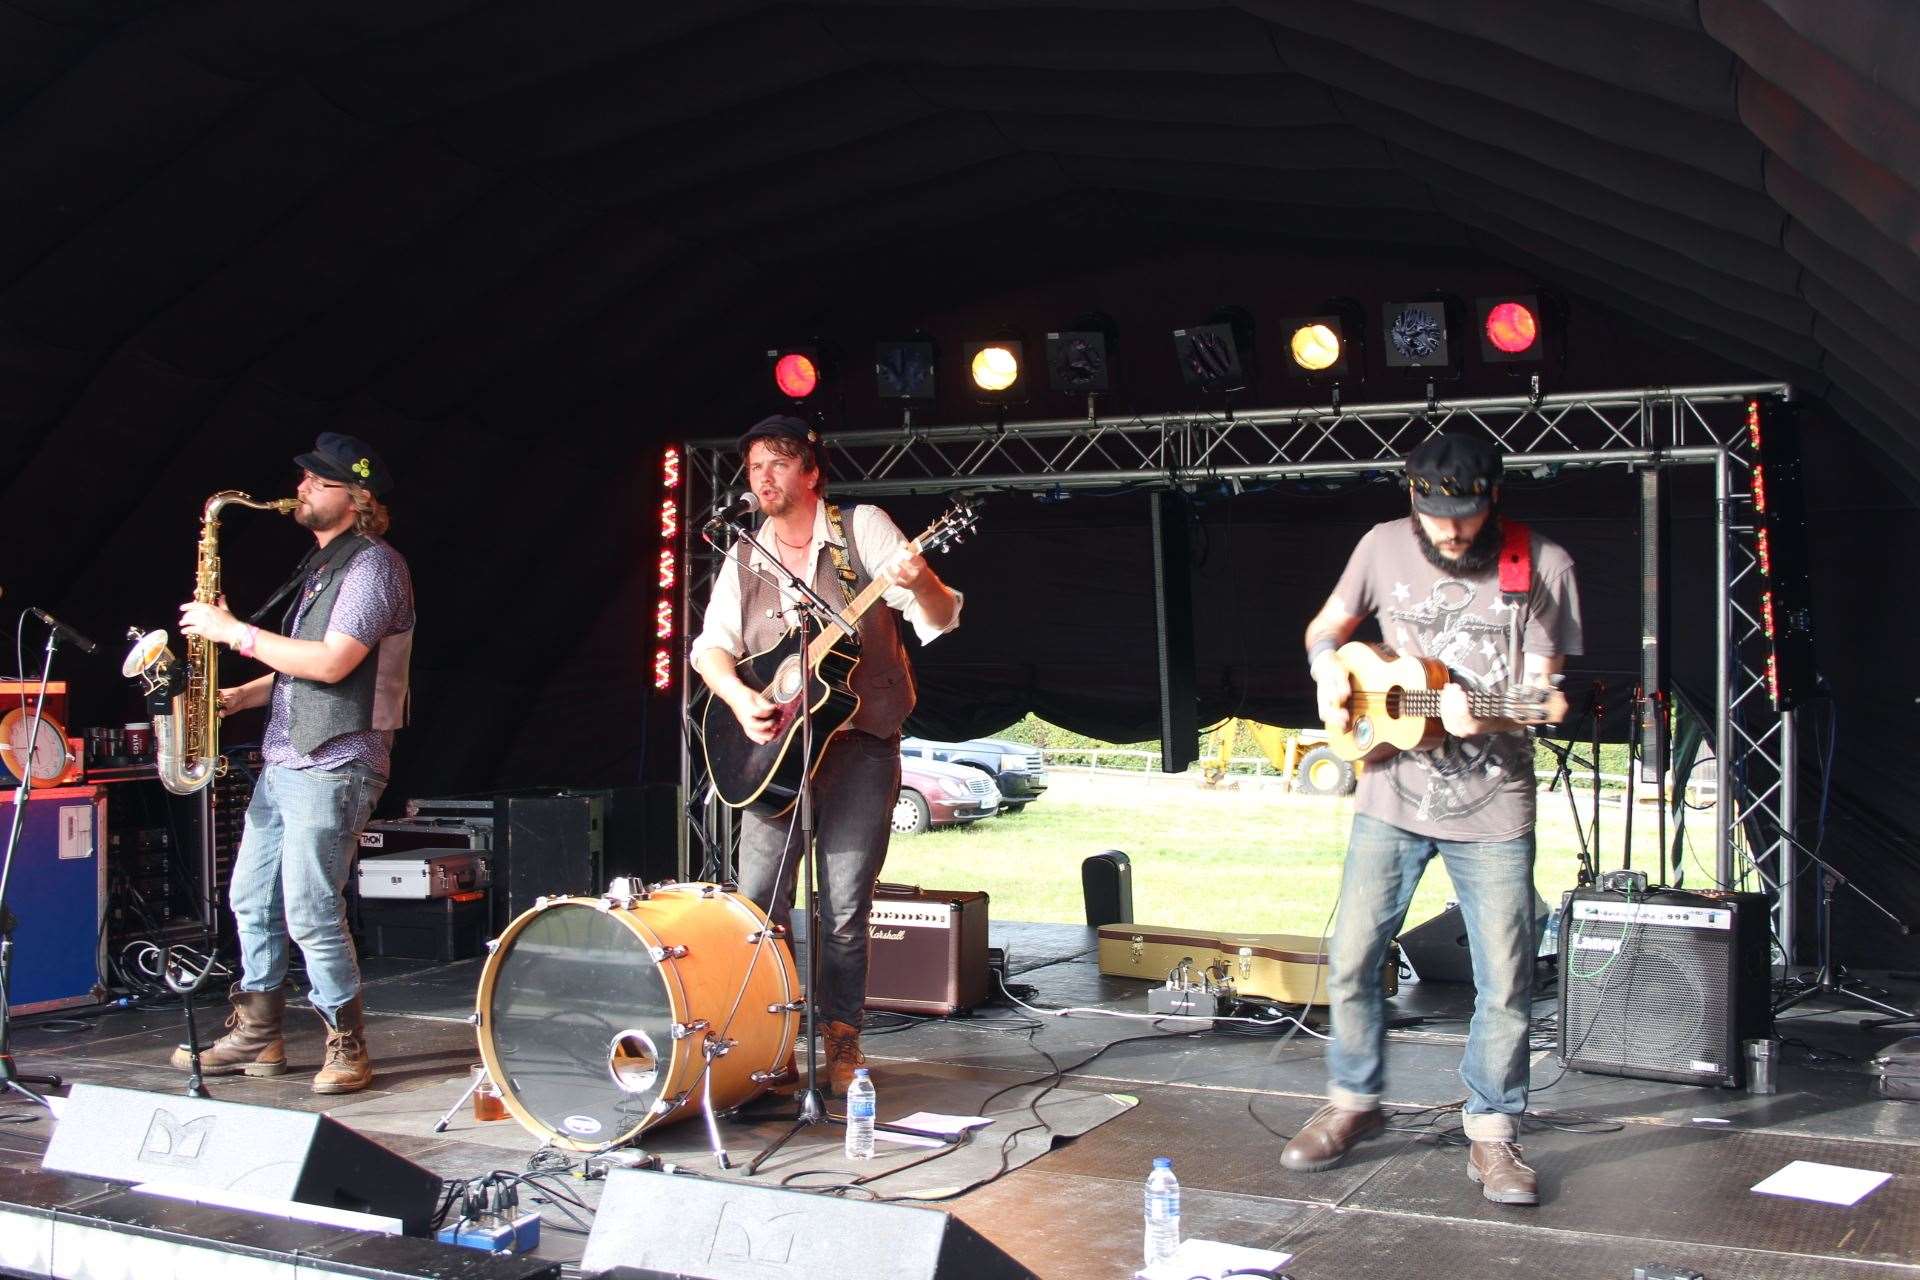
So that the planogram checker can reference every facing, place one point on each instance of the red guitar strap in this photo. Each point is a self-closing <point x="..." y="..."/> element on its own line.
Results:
<point x="1516" y="584"/>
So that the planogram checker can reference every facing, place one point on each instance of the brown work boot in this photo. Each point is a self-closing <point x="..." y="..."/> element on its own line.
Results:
<point x="843" y="1054"/>
<point x="1503" y="1179"/>
<point x="1327" y="1136"/>
<point x="347" y="1068"/>
<point x="252" y="1045"/>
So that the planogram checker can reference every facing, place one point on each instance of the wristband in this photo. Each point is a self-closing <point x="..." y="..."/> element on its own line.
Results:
<point x="247" y="638"/>
<point x="1318" y="650"/>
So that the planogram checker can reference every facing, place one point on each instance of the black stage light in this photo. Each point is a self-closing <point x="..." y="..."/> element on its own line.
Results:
<point x="1218" y="355"/>
<point x="904" y="368"/>
<point x="997" y="367"/>
<point x="1419" y="335"/>
<point x="1328" y="347"/>
<point x="1080" y="359"/>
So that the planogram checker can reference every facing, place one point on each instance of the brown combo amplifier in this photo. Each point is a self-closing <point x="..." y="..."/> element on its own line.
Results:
<point x="927" y="950"/>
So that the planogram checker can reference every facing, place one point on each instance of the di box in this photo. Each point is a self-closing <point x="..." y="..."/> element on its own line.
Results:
<point x="453" y="928"/>
<point x="1284" y="967"/>
<point x="927" y="950"/>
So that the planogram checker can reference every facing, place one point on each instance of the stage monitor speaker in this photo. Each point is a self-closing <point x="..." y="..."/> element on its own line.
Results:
<point x="643" y="832"/>
<point x="719" y="1230"/>
<point x="1663" y="985"/>
<point x="1173" y="631"/>
<point x="546" y="846"/>
<point x="126" y="1135"/>
<point x="1106" y="881"/>
<point x="1436" y="949"/>
<point x="1651" y="722"/>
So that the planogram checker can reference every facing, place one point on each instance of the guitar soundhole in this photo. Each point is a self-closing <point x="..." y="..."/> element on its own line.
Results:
<point x="787" y="681"/>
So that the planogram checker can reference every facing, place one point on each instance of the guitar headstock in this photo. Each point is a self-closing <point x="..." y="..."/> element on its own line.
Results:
<point x="953" y="526"/>
<point x="1530" y="704"/>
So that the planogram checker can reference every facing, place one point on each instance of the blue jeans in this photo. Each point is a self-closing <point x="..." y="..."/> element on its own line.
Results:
<point x="853" y="794"/>
<point x="303" y="829"/>
<point x="1494" y="883"/>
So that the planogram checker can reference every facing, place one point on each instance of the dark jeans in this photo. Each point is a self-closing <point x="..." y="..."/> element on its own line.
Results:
<point x="853" y="794"/>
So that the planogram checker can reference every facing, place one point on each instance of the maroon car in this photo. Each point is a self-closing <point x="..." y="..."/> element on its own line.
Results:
<point x="933" y="794"/>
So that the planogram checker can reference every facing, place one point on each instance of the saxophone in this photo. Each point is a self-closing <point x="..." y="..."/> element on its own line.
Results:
<point x="185" y="697"/>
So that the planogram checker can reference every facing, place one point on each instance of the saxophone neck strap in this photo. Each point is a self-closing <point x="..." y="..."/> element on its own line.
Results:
<point x="315" y="561"/>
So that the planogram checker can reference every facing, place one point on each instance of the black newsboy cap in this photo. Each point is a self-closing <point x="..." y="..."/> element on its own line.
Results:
<point x="781" y="426"/>
<point x="1452" y="476"/>
<point x="349" y="460"/>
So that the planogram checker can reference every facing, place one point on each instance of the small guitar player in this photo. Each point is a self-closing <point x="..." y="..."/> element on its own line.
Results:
<point x="858" y="771"/>
<point x="1460" y="593"/>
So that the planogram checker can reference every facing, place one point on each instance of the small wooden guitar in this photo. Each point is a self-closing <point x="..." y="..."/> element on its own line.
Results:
<point x="1395" y="704"/>
<point x="765" y="776"/>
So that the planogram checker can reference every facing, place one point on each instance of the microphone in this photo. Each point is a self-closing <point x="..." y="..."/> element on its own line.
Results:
<point x="60" y="628"/>
<point x="744" y="505"/>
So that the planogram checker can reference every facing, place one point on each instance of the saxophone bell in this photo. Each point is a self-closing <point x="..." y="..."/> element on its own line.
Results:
<point x="150" y="661"/>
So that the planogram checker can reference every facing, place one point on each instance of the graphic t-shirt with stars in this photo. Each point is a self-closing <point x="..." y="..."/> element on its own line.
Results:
<point x="1480" y="788"/>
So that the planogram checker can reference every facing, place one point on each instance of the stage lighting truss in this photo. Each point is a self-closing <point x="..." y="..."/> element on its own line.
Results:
<point x="1688" y="426"/>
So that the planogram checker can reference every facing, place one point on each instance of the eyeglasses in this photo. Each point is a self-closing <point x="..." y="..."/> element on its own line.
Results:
<point x="1449" y="486"/>
<point x="307" y="477"/>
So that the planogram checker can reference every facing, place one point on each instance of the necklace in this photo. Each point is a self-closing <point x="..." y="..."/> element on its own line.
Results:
<point x="791" y="546"/>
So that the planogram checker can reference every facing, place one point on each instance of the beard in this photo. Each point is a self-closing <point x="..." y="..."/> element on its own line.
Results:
<point x="1481" y="554"/>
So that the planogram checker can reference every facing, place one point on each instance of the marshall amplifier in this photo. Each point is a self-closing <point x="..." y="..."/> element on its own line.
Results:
<point x="1663" y="985"/>
<point x="927" y="950"/>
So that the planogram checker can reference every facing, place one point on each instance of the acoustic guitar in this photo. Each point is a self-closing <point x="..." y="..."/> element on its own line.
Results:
<point x="764" y="777"/>
<point x="1395" y="705"/>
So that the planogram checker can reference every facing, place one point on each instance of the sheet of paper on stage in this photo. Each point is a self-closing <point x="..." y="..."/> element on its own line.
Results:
<point x="944" y="1125"/>
<point x="1211" y="1258"/>
<point x="1827" y="1183"/>
<point x="908" y="1139"/>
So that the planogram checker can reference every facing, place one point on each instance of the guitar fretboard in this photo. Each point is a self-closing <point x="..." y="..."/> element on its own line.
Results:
<point x="856" y="609"/>
<point x="1426" y="702"/>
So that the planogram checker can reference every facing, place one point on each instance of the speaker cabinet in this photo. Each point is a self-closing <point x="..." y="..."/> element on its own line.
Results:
<point x="657" y="1223"/>
<point x="1173" y="630"/>
<point x="1665" y="985"/>
<point x="125" y="1135"/>
<point x="1436" y="949"/>
<point x="546" y="846"/>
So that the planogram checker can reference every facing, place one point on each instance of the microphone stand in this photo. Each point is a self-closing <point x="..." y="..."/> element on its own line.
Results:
<point x="9" y="1077"/>
<point x="812" y="1109"/>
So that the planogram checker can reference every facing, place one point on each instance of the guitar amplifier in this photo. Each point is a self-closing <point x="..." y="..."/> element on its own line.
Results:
<point x="927" y="950"/>
<point x="1663" y="985"/>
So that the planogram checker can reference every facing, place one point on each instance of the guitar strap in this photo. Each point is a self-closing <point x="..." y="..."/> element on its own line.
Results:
<point x="837" y="548"/>
<point x="1516" y="585"/>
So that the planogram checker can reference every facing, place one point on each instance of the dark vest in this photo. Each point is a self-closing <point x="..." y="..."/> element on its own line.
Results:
<point x="319" y="711"/>
<point x="883" y="680"/>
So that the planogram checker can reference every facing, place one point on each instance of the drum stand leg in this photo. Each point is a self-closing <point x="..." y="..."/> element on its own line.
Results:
<point x="447" y="1119"/>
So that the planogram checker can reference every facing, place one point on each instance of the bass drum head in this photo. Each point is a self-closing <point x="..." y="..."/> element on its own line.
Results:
<point x="577" y="1023"/>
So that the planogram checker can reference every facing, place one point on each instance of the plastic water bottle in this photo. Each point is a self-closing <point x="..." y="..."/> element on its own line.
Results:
<point x="1163" y="1211"/>
<point x="862" y="1103"/>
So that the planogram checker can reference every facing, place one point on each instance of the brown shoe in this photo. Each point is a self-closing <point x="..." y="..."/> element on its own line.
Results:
<point x="843" y="1054"/>
<point x="252" y="1045"/>
<point x="1327" y="1136"/>
<point x="1503" y="1179"/>
<point x="347" y="1068"/>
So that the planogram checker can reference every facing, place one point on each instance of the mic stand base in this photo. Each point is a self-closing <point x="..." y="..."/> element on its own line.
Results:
<point x="1823" y="982"/>
<point x="812" y="1111"/>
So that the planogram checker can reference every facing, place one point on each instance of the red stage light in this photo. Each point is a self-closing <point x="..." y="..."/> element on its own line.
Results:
<point x="1753" y="424"/>
<point x="662" y="668"/>
<point x="669" y="571"/>
<point x="1766" y="613"/>
<point x="1759" y="488"/>
<point x="796" y="375"/>
<point x="1763" y="551"/>
<point x="669" y="519"/>
<point x="663" y="620"/>
<point x="1512" y="327"/>
<point x="670" y="468"/>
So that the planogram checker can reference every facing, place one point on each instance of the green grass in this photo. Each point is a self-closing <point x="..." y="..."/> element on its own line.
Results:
<point x="1251" y="859"/>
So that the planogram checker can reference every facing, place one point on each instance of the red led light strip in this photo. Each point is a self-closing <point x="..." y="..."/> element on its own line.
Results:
<point x="665" y="617"/>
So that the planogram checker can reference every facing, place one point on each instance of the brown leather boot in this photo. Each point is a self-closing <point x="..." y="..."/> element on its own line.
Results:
<point x="1503" y="1179"/>
<point x="843" y="1054"/>
<point x="347" y="1068"/>
<point x="1327" y="1136"/>
<point x="252" y="1045"/>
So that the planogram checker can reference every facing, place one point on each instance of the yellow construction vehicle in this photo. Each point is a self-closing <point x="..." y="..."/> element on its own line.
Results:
<point x="1307" y="766"/>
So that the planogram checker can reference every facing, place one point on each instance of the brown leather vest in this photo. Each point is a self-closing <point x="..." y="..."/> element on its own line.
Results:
<point x="883" y="680"/>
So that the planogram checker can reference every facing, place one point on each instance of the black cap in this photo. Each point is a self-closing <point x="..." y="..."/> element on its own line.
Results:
<point x="1453" y="476"/>
<point x="781" y="426"/>
<point x="349" y="460"/>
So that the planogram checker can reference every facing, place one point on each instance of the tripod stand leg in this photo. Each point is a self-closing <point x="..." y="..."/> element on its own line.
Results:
<point x="459" y="1102"/>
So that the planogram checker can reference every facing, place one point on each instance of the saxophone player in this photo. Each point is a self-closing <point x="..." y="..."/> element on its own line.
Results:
<point x="336" y="689"/>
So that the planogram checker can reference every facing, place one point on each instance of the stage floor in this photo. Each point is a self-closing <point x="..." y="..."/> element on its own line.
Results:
<point x="1632" y="1171"/>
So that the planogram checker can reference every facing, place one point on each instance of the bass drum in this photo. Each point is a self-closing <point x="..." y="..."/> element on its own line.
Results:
<point x="594" y="1014"/>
